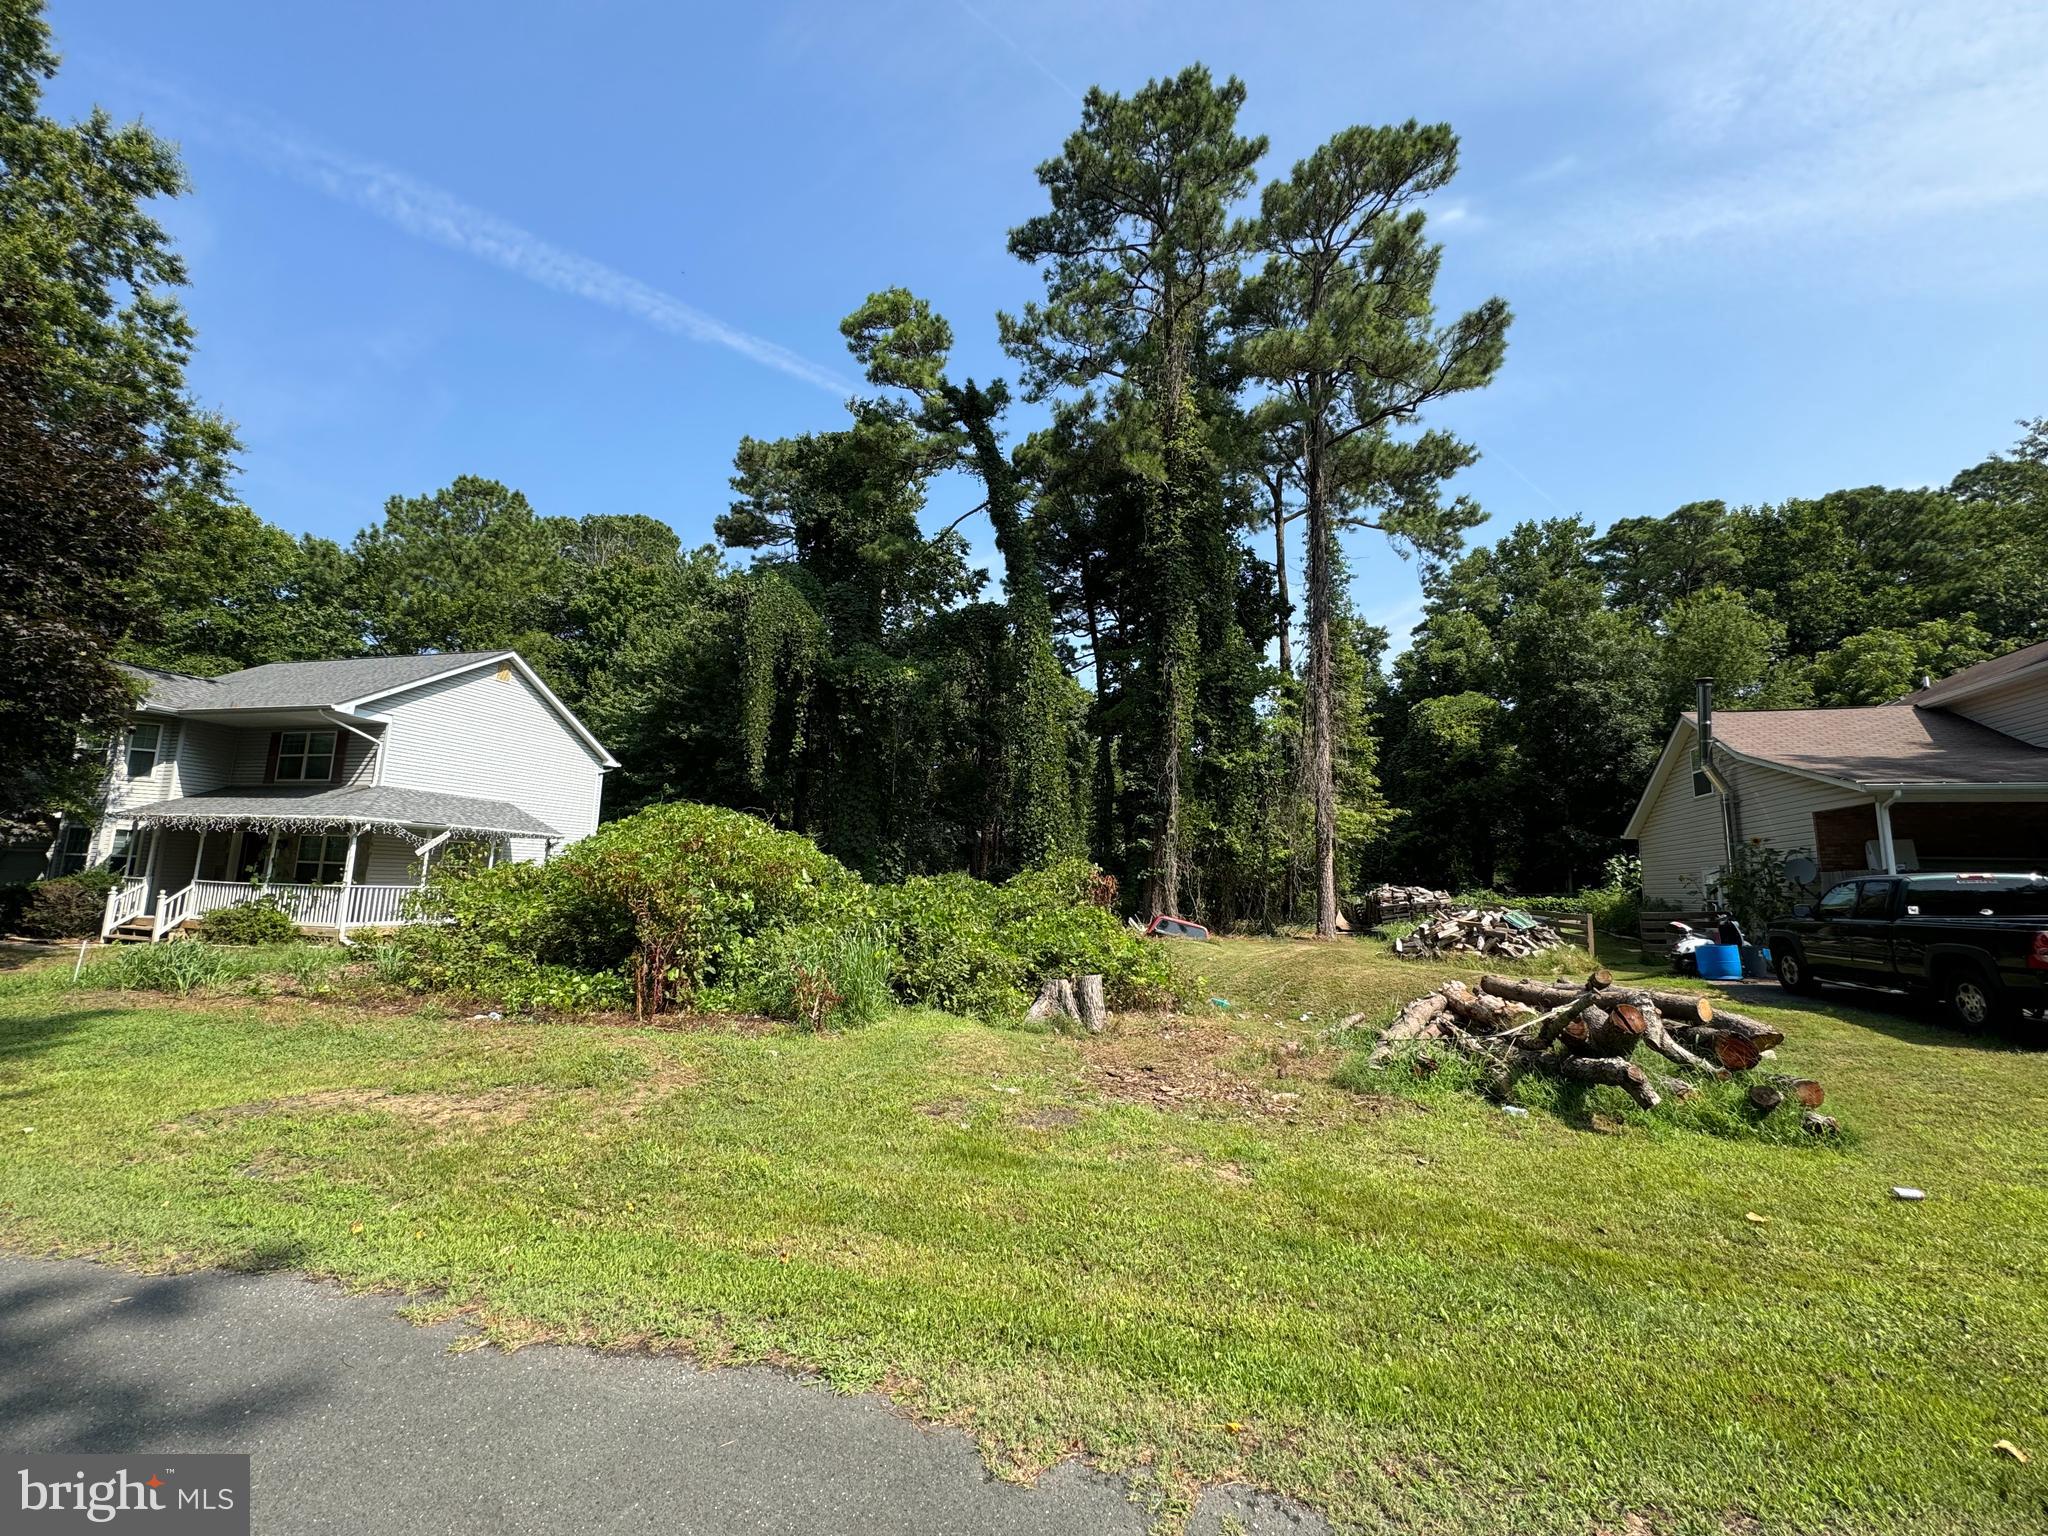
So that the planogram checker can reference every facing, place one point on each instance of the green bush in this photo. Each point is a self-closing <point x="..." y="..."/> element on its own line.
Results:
<point x="436" y="958"/>
<point x="13" y="902"/>
<point x="69" y="907"/>
<point x="688" y="905"/>
<point x="260" y="920"/>
<point x="969" y="947"/>
<point x="691" y="883"/>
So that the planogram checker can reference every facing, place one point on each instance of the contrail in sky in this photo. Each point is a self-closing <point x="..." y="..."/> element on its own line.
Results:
<point x="1017" y="48"/>
<point x="430" y="213"/>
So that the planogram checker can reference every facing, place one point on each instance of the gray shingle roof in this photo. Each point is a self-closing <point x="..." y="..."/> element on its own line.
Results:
<point x="1881" y="744"/>
<point x="297" y="684"/>
<point x="381" y="805"/>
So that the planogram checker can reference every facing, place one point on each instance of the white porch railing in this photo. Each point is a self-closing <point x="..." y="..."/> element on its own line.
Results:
<point x="172" y="907"/>
<point x="310" y="906"/>
<point x="129" y="899"/>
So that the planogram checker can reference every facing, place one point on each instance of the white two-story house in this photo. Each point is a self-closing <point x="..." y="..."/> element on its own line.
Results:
<point x="331" y="784"/>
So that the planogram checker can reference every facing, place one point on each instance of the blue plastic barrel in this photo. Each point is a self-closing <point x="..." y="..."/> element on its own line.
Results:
<point x="1719" y="962"/>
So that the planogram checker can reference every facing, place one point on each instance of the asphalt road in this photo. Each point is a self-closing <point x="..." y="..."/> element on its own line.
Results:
<point x="359" y="1422"/>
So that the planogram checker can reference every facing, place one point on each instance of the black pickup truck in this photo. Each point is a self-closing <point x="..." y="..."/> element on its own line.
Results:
<point x="1977" y="943"/>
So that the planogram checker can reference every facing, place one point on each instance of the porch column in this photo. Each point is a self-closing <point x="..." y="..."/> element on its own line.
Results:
<point x="1885" y="850"/>
<point x="348" y="881"/>
<point x="135" y="830"/>
<point x="199" y="858"/>
<point x="270" y="857"/>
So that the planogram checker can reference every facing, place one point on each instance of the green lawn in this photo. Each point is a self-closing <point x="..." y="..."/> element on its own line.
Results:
<point x="1178" y="1249"/>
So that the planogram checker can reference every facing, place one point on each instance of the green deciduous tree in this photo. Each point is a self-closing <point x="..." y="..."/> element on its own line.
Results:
<point x="97" y="430"/>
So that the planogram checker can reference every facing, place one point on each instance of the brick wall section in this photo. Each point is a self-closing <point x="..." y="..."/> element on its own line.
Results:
<point x="1951" y="833"/>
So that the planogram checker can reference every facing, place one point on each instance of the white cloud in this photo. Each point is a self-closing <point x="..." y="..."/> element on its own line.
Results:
<point x="1767" y="120"/>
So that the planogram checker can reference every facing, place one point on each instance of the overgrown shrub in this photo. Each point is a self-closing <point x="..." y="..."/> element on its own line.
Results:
<point x="686" y="905"/>
<point x="69" y="907"/>
<point x="434" y="958"/>
<point x="691" y="883"/>
<point x="13" y="902"/>
<point x="260" y="920"/>
<point x="969" y="947"/>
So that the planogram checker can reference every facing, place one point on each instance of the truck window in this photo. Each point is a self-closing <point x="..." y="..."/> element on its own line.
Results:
<point x="2001" y="900"/>
<point x="1840" y="901"/>
<point x="1875" y="900"/>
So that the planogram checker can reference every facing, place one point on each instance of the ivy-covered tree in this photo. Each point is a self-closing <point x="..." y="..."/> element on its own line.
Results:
<point x="904" y="344"/>
<point x="1139" y="250"/>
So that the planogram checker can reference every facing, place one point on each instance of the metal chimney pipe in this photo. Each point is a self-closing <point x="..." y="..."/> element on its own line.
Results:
<point x="1705" y="713"/>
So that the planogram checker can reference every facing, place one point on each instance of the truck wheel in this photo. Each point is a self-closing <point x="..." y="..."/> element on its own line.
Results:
<point x="1972" y="998"/>
<point x="1793" y="975"/>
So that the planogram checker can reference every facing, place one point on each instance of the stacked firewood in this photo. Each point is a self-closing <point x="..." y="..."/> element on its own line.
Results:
<point x="1390" y="903"/>
<point x="1478" y="931"/>
<point x="1591" y="1032"/>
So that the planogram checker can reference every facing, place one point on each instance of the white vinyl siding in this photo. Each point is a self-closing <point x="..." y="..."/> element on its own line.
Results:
<point x="206" y="757"/>
<point x="386" y="860"/>
<point x="1681" y="838"/>
<point x="489" y="733"/>
<point x="2020" y="708"/>
<point x="1777" y="808"/>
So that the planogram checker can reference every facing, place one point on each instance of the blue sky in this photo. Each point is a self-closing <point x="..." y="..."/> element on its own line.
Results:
<point x="1756" y="249"/>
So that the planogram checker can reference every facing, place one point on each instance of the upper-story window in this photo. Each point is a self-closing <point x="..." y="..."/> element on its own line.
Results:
<point x="305" y="757"/>
<point x="143" y="741"/>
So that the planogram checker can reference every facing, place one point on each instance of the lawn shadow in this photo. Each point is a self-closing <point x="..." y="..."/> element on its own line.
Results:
<point x="17" y="953"/>
<point x="1912" y="1020"/>
<point x="31" y="1036"/>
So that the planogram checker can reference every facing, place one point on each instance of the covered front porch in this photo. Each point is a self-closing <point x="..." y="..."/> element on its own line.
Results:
<point x="335" y="859"/>
<point x="1936" y="828"/>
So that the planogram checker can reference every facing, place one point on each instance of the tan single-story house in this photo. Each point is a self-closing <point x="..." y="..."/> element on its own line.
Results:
<point x="1951" y="777"/>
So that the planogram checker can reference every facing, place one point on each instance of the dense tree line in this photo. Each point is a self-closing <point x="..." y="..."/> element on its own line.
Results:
<point x="1228" y="374"/>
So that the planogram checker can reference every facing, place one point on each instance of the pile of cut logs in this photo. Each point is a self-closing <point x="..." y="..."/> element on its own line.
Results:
<point x="1476" y="931"/>
<point x="1590" y="1032"/>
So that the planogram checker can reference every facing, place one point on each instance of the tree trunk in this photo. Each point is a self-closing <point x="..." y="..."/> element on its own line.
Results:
<point x="1280" y="575"/>
<point x="1322" y="776"/>
<point x="1409" y="1024"/>
<point x="1489" y="1013"/>
<point x="1611" y="1070"/>
<point x="1688" y="1007"/>
<point x="1088" y="1004"/>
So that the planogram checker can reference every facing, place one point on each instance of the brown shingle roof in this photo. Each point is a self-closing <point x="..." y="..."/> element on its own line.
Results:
<point x="1982" y="675"/>
<point x="1881" y="744"/>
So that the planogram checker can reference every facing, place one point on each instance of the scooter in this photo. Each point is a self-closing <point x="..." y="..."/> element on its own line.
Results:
<point x="1682" y="948"/>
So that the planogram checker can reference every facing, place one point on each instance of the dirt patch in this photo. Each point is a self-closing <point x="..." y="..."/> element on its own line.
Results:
<point x="487" y="1108"/>
<point x="1180" y="1063"/>
<point x="1049" y="1117"/>
<point x="494" y="1106"/>
<point x="954" y="1109"/>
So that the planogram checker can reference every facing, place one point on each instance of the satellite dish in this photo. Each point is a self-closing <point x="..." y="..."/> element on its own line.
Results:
<point x="1801" y="868"/>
